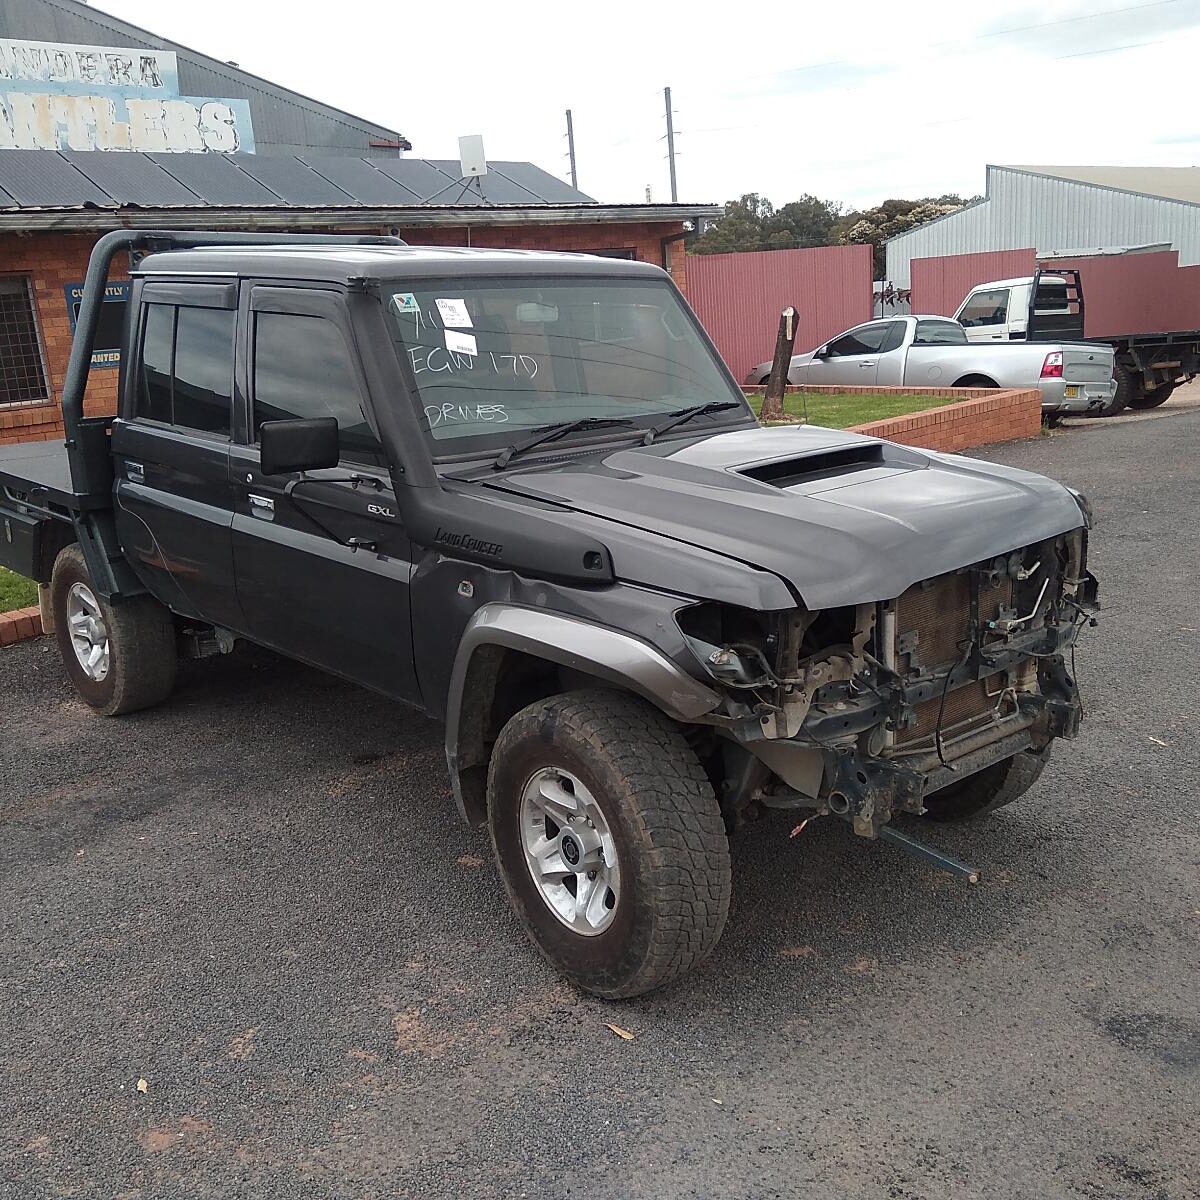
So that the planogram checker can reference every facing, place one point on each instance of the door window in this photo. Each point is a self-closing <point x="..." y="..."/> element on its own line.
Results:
<point x="158" y="345"/>
<point x="303" y="369"/>
<point x="866" y="339"/>
<point x="186" y="368"/>
<point x="985" y="308"/>
<point x="203" y="373"/>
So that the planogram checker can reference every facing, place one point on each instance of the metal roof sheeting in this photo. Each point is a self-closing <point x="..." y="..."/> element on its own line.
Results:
<point x="215" y="177"/>
<point x="53" y="179"/>
<point x="46" y="179"/>
<point x="1027" y="208"/>
<point x="136" y="178"/>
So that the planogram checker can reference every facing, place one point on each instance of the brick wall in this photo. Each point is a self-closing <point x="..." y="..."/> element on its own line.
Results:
<point x="645" y="240"/>
<point x="53" y="261"/>
<point x="980" y="417"/>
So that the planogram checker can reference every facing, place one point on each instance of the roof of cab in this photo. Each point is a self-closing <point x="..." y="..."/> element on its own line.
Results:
<point x="338" y="264"/>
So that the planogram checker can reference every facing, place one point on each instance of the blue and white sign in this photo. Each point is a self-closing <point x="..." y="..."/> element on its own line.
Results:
<point x="55" y="96"/>
<point x="106" y="347"/>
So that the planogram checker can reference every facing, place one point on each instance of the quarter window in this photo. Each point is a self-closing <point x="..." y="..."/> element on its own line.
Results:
<point x="186" y="368"/>
<point x="22" y="370"/>
<point x="303" y="369"/>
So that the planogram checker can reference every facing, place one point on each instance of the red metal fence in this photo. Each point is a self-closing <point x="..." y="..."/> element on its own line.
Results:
<point x="738" y="297"/>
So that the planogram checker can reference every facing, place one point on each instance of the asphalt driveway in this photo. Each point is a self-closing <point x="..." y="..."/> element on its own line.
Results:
<point x="258" y="899"/>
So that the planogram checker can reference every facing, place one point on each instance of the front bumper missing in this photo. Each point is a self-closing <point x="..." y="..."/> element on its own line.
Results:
<point x="868" y="789"/>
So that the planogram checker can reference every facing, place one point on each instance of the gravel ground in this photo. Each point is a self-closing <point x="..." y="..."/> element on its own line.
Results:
<point x="258" y="899"/>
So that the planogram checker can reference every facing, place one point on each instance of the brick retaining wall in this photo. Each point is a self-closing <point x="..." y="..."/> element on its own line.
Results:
<point x="19" y="625"/>
<point x="980" y="416"/>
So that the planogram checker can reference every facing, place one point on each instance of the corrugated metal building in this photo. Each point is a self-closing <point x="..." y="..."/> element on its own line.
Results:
<point x="1057" y="210"/>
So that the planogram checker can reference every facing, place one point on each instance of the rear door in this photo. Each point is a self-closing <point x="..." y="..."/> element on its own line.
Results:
<point x="174" y="499"/>
<point x="852" y="359"/>
<point x="304" y="587"/>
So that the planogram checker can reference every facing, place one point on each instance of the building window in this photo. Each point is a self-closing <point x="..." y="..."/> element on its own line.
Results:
<point x="22" y="368"/>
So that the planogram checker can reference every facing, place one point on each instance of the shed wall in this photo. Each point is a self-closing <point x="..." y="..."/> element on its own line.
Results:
<point x="1050" y="214"/>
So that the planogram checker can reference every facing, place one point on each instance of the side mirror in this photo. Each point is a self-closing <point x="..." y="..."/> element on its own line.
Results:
<point x="821" y="352"/>
<point x="300" y="445"/>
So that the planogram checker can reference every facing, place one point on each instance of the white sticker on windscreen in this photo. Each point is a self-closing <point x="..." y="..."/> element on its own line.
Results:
<point x="405" y="302"/>
<point x="461" y="343"/>
<point x="454" y="314"/>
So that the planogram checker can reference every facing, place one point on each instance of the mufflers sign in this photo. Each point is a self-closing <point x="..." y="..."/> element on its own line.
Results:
<point x="55" y="96"/>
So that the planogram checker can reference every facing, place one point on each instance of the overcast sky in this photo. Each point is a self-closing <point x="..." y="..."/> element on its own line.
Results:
<point x="852" y="102"/>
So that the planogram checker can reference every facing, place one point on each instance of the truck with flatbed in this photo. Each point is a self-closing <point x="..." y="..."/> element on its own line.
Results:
<point x="520" y="492"/>
<point x="932" y="351"/>
<point x="1148" y="320"/>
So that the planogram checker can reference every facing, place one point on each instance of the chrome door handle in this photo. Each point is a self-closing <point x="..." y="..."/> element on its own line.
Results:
<point x="135" y="472"/>
<point x="262" y="507"/>
<point x="867" y="364"/>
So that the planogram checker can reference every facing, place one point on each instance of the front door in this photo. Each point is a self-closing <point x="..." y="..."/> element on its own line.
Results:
<point x="852" y="359"/>
<point x="174" y="499"/>
<point x="323" y="565"/>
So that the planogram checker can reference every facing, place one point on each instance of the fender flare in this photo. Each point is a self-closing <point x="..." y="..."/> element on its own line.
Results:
<point x="608" y="654"/>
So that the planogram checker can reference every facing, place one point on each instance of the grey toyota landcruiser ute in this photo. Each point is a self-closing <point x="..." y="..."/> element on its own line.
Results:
<point x="521" y="492"/>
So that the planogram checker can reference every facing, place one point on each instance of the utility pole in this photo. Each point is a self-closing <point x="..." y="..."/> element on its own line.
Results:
<point x="671" y="145"/>
<point x="571" y="148"/>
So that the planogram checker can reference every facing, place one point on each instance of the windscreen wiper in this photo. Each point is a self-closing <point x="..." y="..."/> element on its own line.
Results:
<point x="552" y="434"/>
<point x="680" y="415"/>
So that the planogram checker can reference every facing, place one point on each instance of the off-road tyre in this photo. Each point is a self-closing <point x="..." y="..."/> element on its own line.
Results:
<point x="141" y="640"/>
<point x="989" y="789"/>
<point x="1160" y="395"/>
<point x="664" y="818"/>
<point x="1129" y="390"/>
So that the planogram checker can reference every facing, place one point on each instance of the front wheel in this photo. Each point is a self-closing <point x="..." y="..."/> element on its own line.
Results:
<point x="610" y="840"/>
<point x="989" y="789"/>
<point x="119" y="657"/>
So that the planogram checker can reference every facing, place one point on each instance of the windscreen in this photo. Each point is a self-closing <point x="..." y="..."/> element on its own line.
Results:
<point x="495" y="359"/>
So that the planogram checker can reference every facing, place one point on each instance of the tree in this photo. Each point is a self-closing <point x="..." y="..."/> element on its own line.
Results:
<point x="752" y="223"/>
<point x="874" y="226"/>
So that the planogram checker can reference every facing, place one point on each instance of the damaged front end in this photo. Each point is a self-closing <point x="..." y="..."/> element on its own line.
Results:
<point x="865" y="710"/>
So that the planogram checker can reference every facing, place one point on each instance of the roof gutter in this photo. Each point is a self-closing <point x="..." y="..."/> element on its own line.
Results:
<point x="90" y="220"/>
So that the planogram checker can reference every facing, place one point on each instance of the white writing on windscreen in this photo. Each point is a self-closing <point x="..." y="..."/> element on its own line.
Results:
<point x="455" y="414"/>
<point x="439" y="360"/>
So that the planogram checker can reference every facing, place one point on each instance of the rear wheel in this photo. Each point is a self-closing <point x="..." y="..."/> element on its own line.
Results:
<point x="119" y="657"/>
<point x="975" y="381"/>
<point x="1129" y="389"/>
<point x="1160" y="395"/>
<point x="989" y="789"/>
<point x="610" y="840"/>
